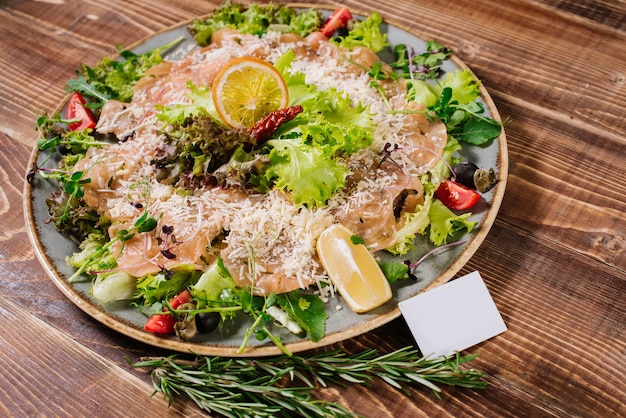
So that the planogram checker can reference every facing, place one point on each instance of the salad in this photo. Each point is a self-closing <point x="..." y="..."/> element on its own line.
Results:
<point x="198" y="189"/>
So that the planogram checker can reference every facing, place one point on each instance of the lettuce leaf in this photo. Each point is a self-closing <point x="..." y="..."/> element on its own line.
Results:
<point x="422" y="92"/>
<point x="211" y="284"/>
<point x="201" y="104"/>
<point x="366" y="33"/>
<point x="255" y="19"/>
<point x="306" y="171"/>
<point x="414" y="224"/>
<point x="93" y="255"/>
<point x="157" y="287"/>
<point x="303" y="155"/>
<point x="116" y="78"/>
<point x="464" y="86"/>
<point x="444" y="222"/>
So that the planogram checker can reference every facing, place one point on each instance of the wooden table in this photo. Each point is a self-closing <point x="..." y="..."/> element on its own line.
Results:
<point x="554" y="260"/>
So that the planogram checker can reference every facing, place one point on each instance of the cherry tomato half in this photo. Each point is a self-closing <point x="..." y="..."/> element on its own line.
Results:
<point x="338" y="19"/>
<point x="182" y="297"/>
<point x="164" y="323"/>
<point x="456" y="196"/>
<point x="76" y="110"/>
<point x="160" y="324"/>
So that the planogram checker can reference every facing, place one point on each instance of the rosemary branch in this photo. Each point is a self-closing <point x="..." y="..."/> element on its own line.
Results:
<point x="282" y="385"/>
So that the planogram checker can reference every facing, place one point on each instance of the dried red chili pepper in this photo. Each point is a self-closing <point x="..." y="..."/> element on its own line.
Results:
<point x="266" y="127"/>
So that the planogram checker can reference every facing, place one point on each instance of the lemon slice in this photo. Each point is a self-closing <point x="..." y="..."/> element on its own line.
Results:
<point x="352" y="269"/>
<point x="246" y="90"/>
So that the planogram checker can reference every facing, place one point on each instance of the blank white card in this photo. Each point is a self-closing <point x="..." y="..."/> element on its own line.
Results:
<point x="452" y="317"/>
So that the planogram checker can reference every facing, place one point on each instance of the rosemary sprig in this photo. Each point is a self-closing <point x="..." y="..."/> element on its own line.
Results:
<point x="282" y="385"/>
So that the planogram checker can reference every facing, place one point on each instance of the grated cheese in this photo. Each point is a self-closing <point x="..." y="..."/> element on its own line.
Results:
<point x="262" y="237"/>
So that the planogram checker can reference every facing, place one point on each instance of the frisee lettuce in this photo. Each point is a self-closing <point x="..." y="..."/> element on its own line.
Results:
<point x="161" y="286"/>
<point x="444" y="222"/>
<point x="305" y="170"/>
<point x="116" y="78"/>
<point x="255" y="19"/>
<point x="365" y="33"/>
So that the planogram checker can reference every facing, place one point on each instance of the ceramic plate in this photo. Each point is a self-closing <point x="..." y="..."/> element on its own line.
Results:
<point x="52" y="248"/>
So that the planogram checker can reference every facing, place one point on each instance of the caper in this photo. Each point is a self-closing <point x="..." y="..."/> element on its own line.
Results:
<point x="484" y="180"/>
<point x="185" y="327"/>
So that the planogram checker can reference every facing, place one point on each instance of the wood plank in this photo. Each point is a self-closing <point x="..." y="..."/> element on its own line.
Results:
<point x="604" y="12"/>
<point x="105" y="389"/>
<point x="565" y="336"/>
<point x="545" y="160"/>
<point x="554" y="261"/>
<point x="76" y="37"/>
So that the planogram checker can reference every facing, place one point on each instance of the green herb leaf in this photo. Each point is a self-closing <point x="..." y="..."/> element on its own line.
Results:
<point x="307" y="310"/>
<point x="233" y="387"/>
<point x="478" y="131"/>
<point x="394" y="271"/>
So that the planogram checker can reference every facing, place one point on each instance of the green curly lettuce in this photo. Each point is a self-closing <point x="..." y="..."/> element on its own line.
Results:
<point x="255" y="19"/>
<point x="157" y="287"/>
<point x="116" y="78"/>
<point x="93" y="254"/>
<point x="305" y="170"/>
<point x="445" y="223"/>
<point x="365" y="33"/>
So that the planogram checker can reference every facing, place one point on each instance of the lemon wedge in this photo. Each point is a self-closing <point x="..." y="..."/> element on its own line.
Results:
<point x="352" y="269"/>
<point x="246" y="90"/>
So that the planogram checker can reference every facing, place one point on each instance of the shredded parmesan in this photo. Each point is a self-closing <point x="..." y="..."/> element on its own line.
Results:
<point x="264" y="239"/>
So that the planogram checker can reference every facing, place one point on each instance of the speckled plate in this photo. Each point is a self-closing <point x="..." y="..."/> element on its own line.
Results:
<point x="52" y="248"/>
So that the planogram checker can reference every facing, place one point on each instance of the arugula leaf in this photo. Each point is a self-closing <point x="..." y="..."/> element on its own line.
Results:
<point x="394" y="271"/>
<point x="465" y="122"/>
<point x="307" y="310"/>
<point x="479" y="130"/>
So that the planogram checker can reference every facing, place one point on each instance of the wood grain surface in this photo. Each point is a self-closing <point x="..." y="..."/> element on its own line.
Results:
<point x="554" y="261"/>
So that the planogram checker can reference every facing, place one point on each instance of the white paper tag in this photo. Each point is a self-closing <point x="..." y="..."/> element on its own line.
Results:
<point x="453" y="316"/>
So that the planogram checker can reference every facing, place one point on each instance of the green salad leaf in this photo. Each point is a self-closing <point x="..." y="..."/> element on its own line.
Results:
<point x="161" y="286"/>
<point x="444" y="222"/>
<point x="365" y="33"/>
<point x="255" y="19"/>
<point x="307" y="310"/>
<point x="116" y="78"/>
<point x="305" y="170"/>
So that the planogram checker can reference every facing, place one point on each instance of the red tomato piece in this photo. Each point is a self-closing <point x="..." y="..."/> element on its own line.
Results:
<point x="76" y="110"/>
<point x="456" y="196"/>
<point x="339" y="19"/>
<point x="182" y="297"/>
<point x="160" y="324"/>
<point x="164" y="324"/>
